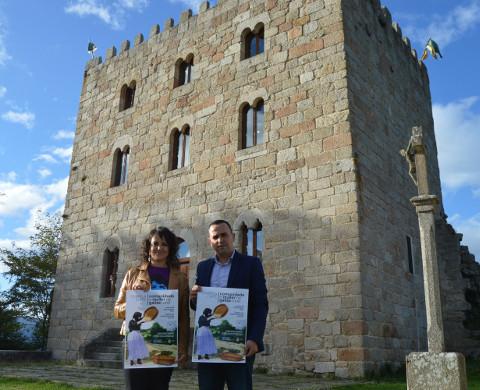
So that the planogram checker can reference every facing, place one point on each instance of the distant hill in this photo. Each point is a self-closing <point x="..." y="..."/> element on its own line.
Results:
<point x="28" y="326"/>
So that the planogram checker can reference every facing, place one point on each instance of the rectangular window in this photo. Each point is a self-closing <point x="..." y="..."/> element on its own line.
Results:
<point x="410" y="255"/>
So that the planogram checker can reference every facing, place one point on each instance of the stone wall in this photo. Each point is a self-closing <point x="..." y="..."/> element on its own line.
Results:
<point x="300" y="183"/>
<point x="341" y="92"/>
<point x="388" y="95"/>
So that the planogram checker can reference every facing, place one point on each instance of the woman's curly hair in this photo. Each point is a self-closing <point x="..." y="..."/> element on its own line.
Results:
<point x="171" y="240"/>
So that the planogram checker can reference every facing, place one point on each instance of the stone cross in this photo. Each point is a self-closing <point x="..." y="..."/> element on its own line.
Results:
<point x="425" y="205"/>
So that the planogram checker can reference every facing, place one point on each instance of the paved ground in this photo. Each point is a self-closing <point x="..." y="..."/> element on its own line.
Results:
<point x="181" y="380"/>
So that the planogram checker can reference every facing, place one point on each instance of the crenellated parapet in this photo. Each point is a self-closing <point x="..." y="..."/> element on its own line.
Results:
<point x="155" y="32"/>
<point x="383" y="14"/>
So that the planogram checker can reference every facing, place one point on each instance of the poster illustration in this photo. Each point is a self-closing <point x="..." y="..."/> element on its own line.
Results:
<point x="220" y="325"/>
<point x="152" y="322"/>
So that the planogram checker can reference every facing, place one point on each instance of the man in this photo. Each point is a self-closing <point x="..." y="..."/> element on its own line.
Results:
<point x="230" y="269"/>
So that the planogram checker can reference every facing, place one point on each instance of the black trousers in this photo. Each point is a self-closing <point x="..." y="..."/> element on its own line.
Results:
<point x="148" y="378"/>
<point x="213" y="376"/>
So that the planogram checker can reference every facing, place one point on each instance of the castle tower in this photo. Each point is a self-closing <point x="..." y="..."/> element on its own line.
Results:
<point x="285" y="118"/>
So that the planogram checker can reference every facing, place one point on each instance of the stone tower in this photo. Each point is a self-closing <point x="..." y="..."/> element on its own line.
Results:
<point x="162" y="139"/>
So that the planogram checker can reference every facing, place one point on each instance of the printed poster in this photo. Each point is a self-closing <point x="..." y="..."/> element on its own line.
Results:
<point x="220" y="325"/>
<point x="152" y="322"/>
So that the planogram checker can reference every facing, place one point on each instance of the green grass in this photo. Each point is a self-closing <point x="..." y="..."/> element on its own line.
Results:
<point x="31" y="384"/>
<point x="394" y="382"/>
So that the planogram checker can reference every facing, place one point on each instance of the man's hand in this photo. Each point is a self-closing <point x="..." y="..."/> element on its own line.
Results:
<point x="182" y="360"/>
<point x="193" y="293"/>
<point x="251" y="348"/>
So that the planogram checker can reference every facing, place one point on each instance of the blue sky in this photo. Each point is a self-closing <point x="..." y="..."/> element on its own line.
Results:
<point x="43" y="55"/>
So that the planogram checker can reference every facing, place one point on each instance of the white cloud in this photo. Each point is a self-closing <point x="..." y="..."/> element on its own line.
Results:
<point x="3" y="91"/>
<point x="445" y="29"/>
<point x="9" y="176"/>
<point x="26" y="119"/>
<point x="192" y="4"/>
<point x="91" y="8"/>
<point x="470" y="228"/>
<point x="457" y="129"/>
<point x="18" y="198"/>
<point x="4" y="56"/>
<point x="64" y="153"/>
<point x="134" y="3"/>
<point x="64" y="134"/>
<point x="476" y="193"/>
<point x="44" y="172"/>
<point x="112" y="14"/>
<point x="45" y="157"/>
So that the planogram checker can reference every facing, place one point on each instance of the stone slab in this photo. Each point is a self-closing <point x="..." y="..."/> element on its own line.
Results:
<point x="436" y="371"/>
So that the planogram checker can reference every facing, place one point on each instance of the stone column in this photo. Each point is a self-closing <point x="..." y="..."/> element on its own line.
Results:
<point x="435" y="369"/>
<point x="425" y="207"/>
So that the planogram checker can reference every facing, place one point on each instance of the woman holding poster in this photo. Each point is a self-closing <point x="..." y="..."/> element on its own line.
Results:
<point x="159" y="269"/>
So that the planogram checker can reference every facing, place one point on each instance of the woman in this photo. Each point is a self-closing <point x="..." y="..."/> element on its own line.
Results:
<point x="205" y="340"/>
<point x="159" y="269"/>
<point x="137" y="349"/>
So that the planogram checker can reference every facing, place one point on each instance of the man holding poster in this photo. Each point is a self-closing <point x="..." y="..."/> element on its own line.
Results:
<point x="230" y="269"/>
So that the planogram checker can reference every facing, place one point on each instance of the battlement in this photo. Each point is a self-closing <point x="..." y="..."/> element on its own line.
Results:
<point x="155" y="31"/>
<point x="382" y="12"/>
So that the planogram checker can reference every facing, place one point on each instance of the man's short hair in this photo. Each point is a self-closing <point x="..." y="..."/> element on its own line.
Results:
<point x="220" y="221"/>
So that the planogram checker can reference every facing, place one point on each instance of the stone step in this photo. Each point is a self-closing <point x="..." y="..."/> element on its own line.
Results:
<point x="104" y="349"/>
<point x="102" y="363"/>
<point x="104" y="356"/>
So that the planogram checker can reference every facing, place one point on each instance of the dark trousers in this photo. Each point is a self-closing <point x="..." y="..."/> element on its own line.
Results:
<point x="213" y="376"/>
<point x="148" y="378"/>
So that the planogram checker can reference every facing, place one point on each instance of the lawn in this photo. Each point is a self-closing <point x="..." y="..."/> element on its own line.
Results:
<point x="30" y="384"/>
<point x="398" y="383"/>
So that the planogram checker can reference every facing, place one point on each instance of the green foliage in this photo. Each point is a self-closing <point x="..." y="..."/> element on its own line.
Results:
<point x="10" y="335"/>
<point x="222" y="328"/>
<point x="158" y="334"/>
<point x="32" y="272"/>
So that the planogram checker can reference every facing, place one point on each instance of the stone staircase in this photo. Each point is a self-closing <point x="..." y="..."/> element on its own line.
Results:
<point x="104" y="351"/>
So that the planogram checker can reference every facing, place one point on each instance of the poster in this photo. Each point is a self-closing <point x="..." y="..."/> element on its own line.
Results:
<point x="220" y="325"/>
<point x="152" y="322"/>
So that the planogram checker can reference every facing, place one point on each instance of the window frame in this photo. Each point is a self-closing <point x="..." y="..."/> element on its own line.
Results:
<point x="183" y="135"/>
<point x="245" y="110"/>
<point x="121" y="160"/>
<point x="110" y="269"/>
<point x="127" y="96"/>
<point x="245" y="232"/>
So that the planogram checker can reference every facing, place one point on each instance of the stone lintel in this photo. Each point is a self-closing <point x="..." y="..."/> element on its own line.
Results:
<point x="424" y="203"/>
<point x="434" y="371"/>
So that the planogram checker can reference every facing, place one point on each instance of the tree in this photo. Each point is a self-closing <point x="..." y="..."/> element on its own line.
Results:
<point x="10" y="334"/>
<point x="32" y="272"/>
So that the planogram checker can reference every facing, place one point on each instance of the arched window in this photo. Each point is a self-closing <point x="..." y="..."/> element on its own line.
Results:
<point x="127" y="96"/>
<point x="183" y="71"/>
<point x="183" y="255"/>
<point x="120" y="166"/>
<point x="180" y="155"/>
<point x="253" y="42"/>
<point x="252" y="124"/>
<point x="109" y="273"/>
<point x="252" y="239"/>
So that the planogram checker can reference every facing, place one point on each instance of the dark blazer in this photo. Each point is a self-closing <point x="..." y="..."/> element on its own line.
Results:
<point x="246" y="272"/>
